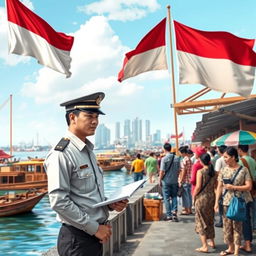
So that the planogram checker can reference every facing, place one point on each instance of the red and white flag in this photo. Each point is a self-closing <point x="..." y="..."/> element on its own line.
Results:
<point x="148" y="55"/>
<point x="30" y="35"/>
<point x="173" y="136"/>
<point x="218" y="60"/>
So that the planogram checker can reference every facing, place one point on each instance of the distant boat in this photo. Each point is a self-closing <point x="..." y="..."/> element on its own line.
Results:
<point x="110" y="161"/>
<point x="128" y="165"/>
<point x="13" y="204"/>
<point x="23" y="175"/>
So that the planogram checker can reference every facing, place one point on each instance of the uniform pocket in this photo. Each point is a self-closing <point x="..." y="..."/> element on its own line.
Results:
<point x="84" y="180"/>
<point x="84" y="174"/>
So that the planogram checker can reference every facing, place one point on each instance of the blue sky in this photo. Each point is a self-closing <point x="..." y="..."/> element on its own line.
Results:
<point x="104" y="31"/>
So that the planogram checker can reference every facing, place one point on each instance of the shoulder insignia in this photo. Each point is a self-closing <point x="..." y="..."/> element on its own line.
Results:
<point x="62" y="144"/>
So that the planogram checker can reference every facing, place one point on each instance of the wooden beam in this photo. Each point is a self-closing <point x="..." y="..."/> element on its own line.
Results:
<point x="194" y="111"/>
<point x="208" y="103"/>
<point x="195" y="94"/>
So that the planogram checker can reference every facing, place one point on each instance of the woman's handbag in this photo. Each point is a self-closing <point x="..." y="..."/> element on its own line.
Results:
<point x="221" y="210"/>
<point x="237" y="209"/>
<point x="180" y="191"/>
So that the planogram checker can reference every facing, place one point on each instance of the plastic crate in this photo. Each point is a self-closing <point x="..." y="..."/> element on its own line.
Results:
<point x="153" y="209"/>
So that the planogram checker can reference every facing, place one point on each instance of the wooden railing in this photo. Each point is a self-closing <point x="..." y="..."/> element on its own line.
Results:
<point x="127" y="221"/>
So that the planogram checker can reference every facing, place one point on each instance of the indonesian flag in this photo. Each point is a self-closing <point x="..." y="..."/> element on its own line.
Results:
<point x="218" y="60"/>
<point x="148" y="55"/>
<point x="30" y="35"/>
<point x="173" y="136"/>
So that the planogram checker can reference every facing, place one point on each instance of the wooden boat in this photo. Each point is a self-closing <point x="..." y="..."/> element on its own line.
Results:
<point x="110" y="161"/>
<point x="128" y="165"/>
<point x="128" y="162"/>
<point x="23" y="175"/>
<point x="13" y="204"/>
<point x="111" y="164"/>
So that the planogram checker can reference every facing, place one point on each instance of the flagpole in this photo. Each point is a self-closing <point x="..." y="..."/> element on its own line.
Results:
<point x="11" y="149"/>
<point x="173" y="80"/>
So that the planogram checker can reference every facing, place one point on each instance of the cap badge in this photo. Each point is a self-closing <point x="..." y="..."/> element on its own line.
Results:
<point x="98" y="100"/>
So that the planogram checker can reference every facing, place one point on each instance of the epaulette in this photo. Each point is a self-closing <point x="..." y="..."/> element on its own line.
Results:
<point x="62" y="144"/>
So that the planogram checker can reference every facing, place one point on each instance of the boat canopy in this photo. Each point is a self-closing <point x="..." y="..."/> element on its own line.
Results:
<point x="4" y="155"/>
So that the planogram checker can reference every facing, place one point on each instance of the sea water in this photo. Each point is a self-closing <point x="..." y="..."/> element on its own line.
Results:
<point x="36" y="232"/>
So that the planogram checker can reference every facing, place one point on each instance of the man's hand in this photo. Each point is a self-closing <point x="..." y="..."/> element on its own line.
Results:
<point x="104" y="232"/>
<point x="118" y="206"/>
<point x="160" y="183"/>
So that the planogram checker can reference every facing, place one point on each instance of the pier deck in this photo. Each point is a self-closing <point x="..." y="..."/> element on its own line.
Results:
<point x="156" y="238"/>
<point x="161" y="238"/>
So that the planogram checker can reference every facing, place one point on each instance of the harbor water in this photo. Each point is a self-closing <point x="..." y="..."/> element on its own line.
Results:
<point x="36" y="232"/>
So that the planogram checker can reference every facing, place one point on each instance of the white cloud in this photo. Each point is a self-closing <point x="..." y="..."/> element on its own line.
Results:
<point x="96" y="59"/>
<point x="122" y="10"/>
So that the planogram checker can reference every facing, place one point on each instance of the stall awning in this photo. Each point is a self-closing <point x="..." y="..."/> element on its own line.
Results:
<point x="224" y="119"/>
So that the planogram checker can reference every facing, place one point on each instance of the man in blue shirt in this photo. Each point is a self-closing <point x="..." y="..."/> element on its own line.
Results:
<point x="168" y="180"/>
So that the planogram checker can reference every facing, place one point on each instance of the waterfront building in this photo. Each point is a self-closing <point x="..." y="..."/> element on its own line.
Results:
<point x="117" y="135"/>
<point x="102" y="137"/>
<point x="127" y="132"/>
<point x="140" y="131"/>
<point x="147" y="132"/>
<point x="157" y="138"/>
<point x="136" y="131"/>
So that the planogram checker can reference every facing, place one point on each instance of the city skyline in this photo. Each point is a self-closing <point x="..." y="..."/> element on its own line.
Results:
<point x="134" y="134"/>
<point x="110" y="137"/>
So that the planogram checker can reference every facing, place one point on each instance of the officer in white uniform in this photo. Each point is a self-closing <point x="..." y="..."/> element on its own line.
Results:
<point x="75" y="182"/>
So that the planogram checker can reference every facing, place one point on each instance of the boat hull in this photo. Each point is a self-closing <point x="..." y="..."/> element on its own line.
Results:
<point x="24" y="185"/>
<point x="112" y="168"/>
<point x="20" y="205"/>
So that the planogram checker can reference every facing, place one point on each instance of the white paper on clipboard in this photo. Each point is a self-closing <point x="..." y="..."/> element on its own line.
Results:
<point x="122" y="193"/>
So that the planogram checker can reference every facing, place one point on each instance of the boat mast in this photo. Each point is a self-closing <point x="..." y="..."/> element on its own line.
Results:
<point x="11" y="124"/>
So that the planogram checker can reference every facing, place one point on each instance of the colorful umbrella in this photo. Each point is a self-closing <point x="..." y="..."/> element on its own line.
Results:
<point x="236" y="138"/>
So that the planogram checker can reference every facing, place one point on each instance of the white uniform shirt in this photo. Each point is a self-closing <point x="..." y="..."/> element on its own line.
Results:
<point x="72" y="185"/>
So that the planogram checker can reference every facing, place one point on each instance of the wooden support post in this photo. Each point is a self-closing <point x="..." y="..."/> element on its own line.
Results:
<point x="173" y="80"/>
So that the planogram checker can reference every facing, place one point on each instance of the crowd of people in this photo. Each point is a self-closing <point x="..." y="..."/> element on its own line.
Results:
<point x="206" y="179"/>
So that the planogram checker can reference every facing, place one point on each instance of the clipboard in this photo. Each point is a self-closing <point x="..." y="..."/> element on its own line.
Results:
<point x="122" y="193"/>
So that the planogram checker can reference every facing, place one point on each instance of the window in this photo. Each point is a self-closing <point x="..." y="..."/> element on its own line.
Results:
<point x="31" y="168"/>
<point x="4" y="180"/>
<point x="38" y="168"/>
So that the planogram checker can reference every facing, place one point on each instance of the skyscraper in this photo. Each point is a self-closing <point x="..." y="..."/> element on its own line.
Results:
<point x="147" y="132"/>
<point x="127" y="131"/>
<point x="157" y="137"/>
<point x="140" y="131"/>
<point x="102" y="136"/>
<point x="117" y="137"/>
<point x="135" y="130"/>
